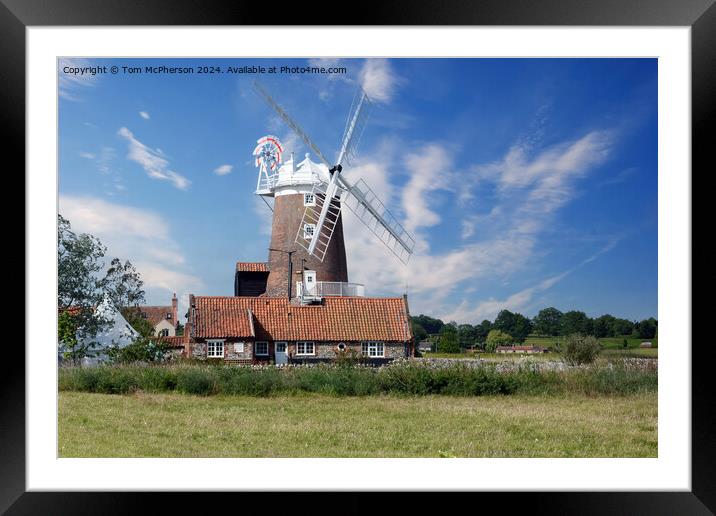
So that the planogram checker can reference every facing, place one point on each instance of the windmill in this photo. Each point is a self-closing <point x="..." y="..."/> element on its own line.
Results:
<point x="319" y="232"/>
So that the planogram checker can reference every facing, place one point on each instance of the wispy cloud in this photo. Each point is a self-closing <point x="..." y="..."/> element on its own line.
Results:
<point x="153" y="161"/>
<point x="223" y="170"/>
<point x="141" y="236"/>
<point x="519" y="301"/>
<point x="621" y="177"/>
<point x="379" y="80"/>
<point x="103" y="160"/>
<point x="71" y="85"/>
<point x="526" y="189"/>
<point x="144" y="115"/>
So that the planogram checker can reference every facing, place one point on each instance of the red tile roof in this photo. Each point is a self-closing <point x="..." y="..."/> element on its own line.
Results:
<point x="176" y="341"/>
<point x="251" y="267"/>
<point x="156" y="314"/>
<point x="274" y="318"/>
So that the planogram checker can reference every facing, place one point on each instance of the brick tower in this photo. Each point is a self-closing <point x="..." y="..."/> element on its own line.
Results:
<point x="292" y="187"/>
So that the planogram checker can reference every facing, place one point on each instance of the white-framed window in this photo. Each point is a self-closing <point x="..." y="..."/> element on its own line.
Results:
<point x="305" y="348"/>
<point x="163" y="333"/>
<point x="373" y="349"/>
<point x="308" y="231"/>
<point x="215" y="348"/>
<point x="309" y="199"/>
<point x="169" y="315"/>
<point x="238" y="347"/>
<point x="261" y="348"/>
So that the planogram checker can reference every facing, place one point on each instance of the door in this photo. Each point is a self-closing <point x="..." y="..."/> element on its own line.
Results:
<point x="310" y="282"/>
<point x="281" y="353"/>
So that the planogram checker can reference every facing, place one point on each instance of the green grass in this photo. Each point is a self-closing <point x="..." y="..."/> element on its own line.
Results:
<point x="407" y="378"/>
<point x="316" y="425"/>
<point x="606" y="342"/>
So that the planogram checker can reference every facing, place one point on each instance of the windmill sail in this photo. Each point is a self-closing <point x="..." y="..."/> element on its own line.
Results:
<point x="319" y="222"/>
<point x="328" y="198"/>
<point x="290" y="122"/>
<point x="369" y="209"/>
<point x="357" y="119"/>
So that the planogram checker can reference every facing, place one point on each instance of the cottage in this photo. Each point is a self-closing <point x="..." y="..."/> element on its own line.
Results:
<point x="274" y="329"/>
<point x="164" y="319"/>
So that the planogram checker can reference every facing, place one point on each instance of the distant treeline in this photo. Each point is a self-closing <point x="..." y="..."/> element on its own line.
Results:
<point x="549" y="322"/>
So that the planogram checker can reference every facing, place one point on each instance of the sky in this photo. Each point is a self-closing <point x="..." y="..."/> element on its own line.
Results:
<point x="526" y="183"/>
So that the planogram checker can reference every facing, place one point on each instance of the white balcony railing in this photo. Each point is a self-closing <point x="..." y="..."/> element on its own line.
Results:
<point x="331" y="288"/>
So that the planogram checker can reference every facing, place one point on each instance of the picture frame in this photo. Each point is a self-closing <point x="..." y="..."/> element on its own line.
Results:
<point x="17" y="15"/>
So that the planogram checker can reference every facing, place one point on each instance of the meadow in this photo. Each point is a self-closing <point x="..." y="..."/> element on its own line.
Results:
<point x="318" y="425"/>
<point x="406" y="410"/>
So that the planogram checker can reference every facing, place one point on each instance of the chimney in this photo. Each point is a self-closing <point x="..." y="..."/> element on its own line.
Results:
<point x="175" y="310"/>
<point x="189" y="328"/>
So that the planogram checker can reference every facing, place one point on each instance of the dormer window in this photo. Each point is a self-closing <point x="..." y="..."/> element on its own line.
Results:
<point x="309" y="199"/>
<point x="308" y="231"/>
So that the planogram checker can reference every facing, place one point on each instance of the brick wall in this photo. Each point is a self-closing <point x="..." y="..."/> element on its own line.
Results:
<point x="287" y="214"/>
<point x="324" y="351"/>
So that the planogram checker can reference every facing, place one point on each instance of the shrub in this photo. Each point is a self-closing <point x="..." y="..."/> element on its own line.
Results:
<point x="402" y="378"/>
<point x="196" y="380"/>
<point x="577" y="349"/>
<point x="497" y="338"/>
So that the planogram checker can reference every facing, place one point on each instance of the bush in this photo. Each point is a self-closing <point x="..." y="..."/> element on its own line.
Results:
<point x="196" y="380"/>
<point x="577" y="349"/>
<point x="400" y="378"/>
<point x="497" y="338"/>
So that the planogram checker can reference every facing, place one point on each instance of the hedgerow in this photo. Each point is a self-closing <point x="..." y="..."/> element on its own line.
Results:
<point x="408" y="378"/>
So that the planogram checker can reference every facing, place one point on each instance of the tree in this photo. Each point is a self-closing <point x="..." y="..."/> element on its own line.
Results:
<point x="516" y="325"/>
<point x="603" y="326"/>
<point x="123" y="284"/>
<point x="645" y="329"/>
<point x="579" y="349"/>
<point x="466" y="335"/>
<point x="576" y="322"/>
<point x="79" y="291"/>
<point x="418" y="331"/>
<point x="548" y="322"/>
<point x="82" y="286"/>
<point x="430" y="324"/>
<point x="180" y="329"/>
<point x="448" y="340"/>
<point x="497" y="338"/>
<point x="481" y="331"/>
<point x="622" y="327"/>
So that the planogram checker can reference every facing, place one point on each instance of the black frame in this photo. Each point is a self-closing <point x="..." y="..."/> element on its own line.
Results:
<point x="700" y="15"/>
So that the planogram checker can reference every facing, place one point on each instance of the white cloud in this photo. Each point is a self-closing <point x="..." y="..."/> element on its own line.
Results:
<point x="70" y="85"/>
<point x="489" y="309"/>
<point x="144" y="115"/>
<point x="378" y="79"/>
<point x="223" y="170"/>
<point x="141" y="236"/>
<point x="430" y="170"/>
<point x="153" y="161"/>
<point x="520" y="301"/>
<point x="87" y="155"/>
<point x="528" y="192"/>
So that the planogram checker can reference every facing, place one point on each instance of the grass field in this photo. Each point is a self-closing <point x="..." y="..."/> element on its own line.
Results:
<point x="314" y="425"/>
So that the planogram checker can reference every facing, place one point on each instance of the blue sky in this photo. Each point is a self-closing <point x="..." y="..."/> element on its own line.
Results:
<point x="527" y="183"/>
